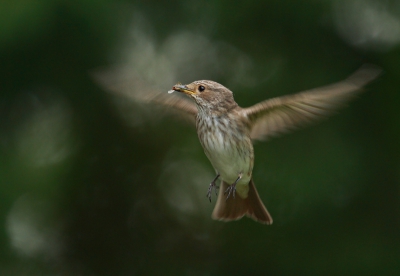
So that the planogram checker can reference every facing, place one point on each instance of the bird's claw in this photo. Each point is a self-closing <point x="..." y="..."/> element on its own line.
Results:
<point x="212" y="187"/>
<point x="231" y="190"/>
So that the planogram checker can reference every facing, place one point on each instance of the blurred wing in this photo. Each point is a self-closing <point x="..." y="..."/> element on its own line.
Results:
<point x="120" y="82"/>
<point x="279" y="115"/>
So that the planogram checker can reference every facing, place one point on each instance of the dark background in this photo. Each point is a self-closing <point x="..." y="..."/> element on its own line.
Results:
<point x="93" y="183"/>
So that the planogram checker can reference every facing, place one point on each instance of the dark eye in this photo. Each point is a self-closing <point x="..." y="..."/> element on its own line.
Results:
<point x="201" y="88"/>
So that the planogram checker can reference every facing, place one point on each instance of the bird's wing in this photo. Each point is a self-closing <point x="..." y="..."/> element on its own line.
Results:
<point x="119" y="82"/>
<point x="282" y="114"/>
<point x="177" y="104"/>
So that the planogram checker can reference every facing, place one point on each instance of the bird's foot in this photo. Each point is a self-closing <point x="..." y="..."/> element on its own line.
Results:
<point x="230" y="190"/>
<point x="212" y="187"/>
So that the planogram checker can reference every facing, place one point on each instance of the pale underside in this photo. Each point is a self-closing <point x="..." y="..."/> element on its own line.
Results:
<point x="231" y="158"/>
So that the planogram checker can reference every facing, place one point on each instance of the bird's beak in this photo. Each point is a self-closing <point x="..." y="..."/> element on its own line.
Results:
<point x="183" y="89"/>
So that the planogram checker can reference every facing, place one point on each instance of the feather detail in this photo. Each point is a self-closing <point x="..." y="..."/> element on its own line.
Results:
<point x="279" y="115"/>
<point x="236" y="208"/>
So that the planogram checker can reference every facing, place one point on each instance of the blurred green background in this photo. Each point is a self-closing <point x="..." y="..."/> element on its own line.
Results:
<point x="95" y="184"/>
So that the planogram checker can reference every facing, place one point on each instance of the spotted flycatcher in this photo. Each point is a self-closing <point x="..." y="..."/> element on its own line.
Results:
<point x="226" y="131"/>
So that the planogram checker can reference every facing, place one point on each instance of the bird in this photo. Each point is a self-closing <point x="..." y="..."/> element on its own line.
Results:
<point x="227" y="131"/>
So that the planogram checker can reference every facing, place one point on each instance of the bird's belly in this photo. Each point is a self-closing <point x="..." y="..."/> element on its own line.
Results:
<point x="231" y="158"/>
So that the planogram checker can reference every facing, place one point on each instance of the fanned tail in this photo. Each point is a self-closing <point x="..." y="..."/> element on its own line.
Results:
<point x="236" y="208"/>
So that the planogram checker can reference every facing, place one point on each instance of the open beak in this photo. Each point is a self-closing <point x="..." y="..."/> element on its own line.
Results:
<point x="183" y="89"/>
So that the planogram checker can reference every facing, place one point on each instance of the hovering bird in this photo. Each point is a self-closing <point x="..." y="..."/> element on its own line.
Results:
<point x="226" y="130"/>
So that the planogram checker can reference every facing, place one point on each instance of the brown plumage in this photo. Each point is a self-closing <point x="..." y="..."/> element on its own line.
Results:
<point x="226" y="130"/>
<point x="234" y="209"/>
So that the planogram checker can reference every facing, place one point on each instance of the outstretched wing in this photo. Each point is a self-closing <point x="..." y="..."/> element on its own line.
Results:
<point x="282" y="114"/>
<point x="120" y="83"/>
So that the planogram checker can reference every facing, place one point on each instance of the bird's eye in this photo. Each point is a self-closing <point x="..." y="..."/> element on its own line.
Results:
<point x="201" y="88"/>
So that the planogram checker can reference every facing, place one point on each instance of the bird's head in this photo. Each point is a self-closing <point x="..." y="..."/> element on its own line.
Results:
<point x="208" y="94"/>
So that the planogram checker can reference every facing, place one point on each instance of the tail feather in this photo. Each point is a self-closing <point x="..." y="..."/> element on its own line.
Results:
<point x="236" y="208"/>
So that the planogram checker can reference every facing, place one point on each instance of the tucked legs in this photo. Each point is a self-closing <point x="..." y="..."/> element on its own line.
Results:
<point x="212" y="186"/>
<point x="232" y="188"/>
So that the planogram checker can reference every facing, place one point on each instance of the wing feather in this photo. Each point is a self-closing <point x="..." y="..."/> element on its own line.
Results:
<point x="119" y="82"/>
<point x="282" y="114"/>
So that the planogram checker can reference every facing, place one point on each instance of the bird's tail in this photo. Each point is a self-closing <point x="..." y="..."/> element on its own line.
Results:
<point x="236" y="208"/>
